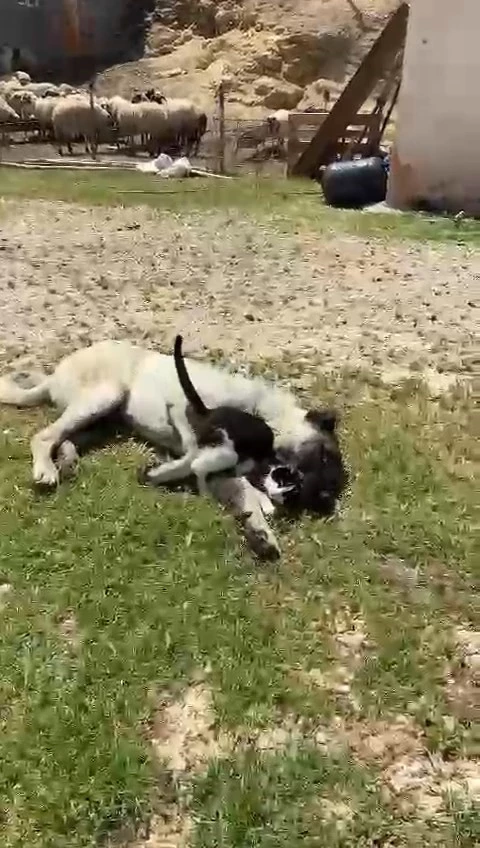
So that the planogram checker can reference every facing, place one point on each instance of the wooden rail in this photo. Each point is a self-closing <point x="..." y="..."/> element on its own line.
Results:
<point x="11" y="127"/>
<point x="302" y="127"/>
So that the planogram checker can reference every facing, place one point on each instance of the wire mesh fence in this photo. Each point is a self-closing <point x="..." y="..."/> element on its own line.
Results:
<point x="233" y="146"/>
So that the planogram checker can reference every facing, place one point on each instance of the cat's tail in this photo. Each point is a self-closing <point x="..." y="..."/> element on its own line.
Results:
<point x="188" y="388"/>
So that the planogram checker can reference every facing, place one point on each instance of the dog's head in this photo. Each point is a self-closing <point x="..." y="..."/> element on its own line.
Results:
<point x="311" y="477"/>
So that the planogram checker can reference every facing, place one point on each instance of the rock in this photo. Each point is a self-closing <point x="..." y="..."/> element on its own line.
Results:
<point x="225" y="20"/>
<point x="307" y="55"/>
<point x="247" y="19"/>
<point x="277" y="94"/>
<point x="162" y="41"/>
<point x="264" y="64"/>
<point x="172" y="72"/>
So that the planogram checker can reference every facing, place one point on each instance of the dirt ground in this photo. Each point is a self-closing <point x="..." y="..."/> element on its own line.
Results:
<point x="71" y="276"/>
<point x="273" y="54"/>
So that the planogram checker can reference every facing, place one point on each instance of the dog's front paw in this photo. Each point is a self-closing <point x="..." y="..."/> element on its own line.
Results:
<point x="45" y="476"/>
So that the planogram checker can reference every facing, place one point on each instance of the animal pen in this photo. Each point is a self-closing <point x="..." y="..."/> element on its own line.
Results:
<point x="229" y="145"/>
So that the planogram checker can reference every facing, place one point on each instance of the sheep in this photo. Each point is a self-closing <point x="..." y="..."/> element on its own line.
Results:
<point x="139" y="97"/>
<point x="43" y="112"/>
<point x="166" y="122"/>
<point x="154" y="125"/>
<point x="9" y="86"/>
<point x="74" y="117"/>
<point x="23" y="102"/>
<point x="22" y="77"/>
<point x="127" y="117"/>
<point x="7" y="114"/>
<point x="42" y="89"/>
<point x="278" y="123"/>
<point x="254" y="135"/>
<point x="155" y="96"/>
<point x="269" y="134"/>
<point x="151" y="95"/>
<point x="187" y="124"/>
<point x="145" y="118"/>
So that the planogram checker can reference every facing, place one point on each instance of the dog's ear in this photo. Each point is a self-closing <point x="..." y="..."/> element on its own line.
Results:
<point x="325" y="420"/>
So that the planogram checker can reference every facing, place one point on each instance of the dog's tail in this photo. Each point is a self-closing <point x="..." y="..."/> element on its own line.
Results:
<point x="36" y="389"/>
<point x="188" y="388"/>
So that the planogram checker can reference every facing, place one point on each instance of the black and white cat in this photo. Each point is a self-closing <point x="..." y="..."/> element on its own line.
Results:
<point x="222" y="439"/>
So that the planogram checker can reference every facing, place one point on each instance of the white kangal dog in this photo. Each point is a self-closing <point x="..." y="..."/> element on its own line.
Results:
<point x="116" y="380"/>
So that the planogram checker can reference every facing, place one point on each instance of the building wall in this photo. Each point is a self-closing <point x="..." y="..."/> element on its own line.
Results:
<point x="435" y="161"/>
<point x="52" y="32"/>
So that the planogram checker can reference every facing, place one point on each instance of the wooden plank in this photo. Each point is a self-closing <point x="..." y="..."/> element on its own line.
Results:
<point x="368" y="122"/>
<point x="19" y="126"/>
<point x="353" y="144"/>
<point x="298" y="120"/>
<point x="375" y="64"/>
<point x="311" y="119"/>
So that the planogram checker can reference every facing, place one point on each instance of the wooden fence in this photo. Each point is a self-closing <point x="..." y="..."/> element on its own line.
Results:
<point x="235" y="145"/>
<point x="362" y="133"/>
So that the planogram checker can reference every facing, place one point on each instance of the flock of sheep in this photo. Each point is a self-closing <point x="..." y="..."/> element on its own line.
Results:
<point x="68" y="115"/>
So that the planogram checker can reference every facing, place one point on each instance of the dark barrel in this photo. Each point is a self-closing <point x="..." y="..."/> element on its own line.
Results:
<point x="355" y="183"/>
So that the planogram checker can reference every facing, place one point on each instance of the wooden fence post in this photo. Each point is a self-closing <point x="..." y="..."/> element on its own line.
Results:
<point x="221" y="127"/>
<point x="94" y="140"/>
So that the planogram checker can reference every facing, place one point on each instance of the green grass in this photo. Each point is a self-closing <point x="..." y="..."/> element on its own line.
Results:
<point x="292" y="205"/>
<point x="161" y="586"/>
<point x="280" y="801"/>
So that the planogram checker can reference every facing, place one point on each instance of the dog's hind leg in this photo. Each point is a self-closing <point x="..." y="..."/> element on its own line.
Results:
<point x="66" y="458"/>
<point x="88" y="407"/>
<point x="108" y="429"/>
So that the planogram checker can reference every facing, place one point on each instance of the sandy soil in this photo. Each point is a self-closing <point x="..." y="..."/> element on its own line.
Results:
<point x="258" y="46"/>
<point x="70" y="276"/>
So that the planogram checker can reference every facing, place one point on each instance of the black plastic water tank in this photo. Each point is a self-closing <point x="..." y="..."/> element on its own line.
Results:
<point x="355" y="183"/>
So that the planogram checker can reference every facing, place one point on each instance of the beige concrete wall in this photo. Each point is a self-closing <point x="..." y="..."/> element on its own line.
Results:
<point x="436" y="155"/>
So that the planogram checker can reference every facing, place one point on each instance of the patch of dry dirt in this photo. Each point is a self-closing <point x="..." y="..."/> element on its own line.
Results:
<point x="183" y="733"/>
<point x="71" y="276"/>
<point x="171" y="830"/>
<point x="424" y="783"/>
<point x="462" y="684"/>
<point x="349" y="644"/>
<point x="185" y="737"/>
<point x="5" y="589"/>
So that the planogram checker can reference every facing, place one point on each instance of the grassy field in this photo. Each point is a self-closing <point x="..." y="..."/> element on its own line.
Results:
<point x="292" y="204"/>
<point x="153" y="675"/>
